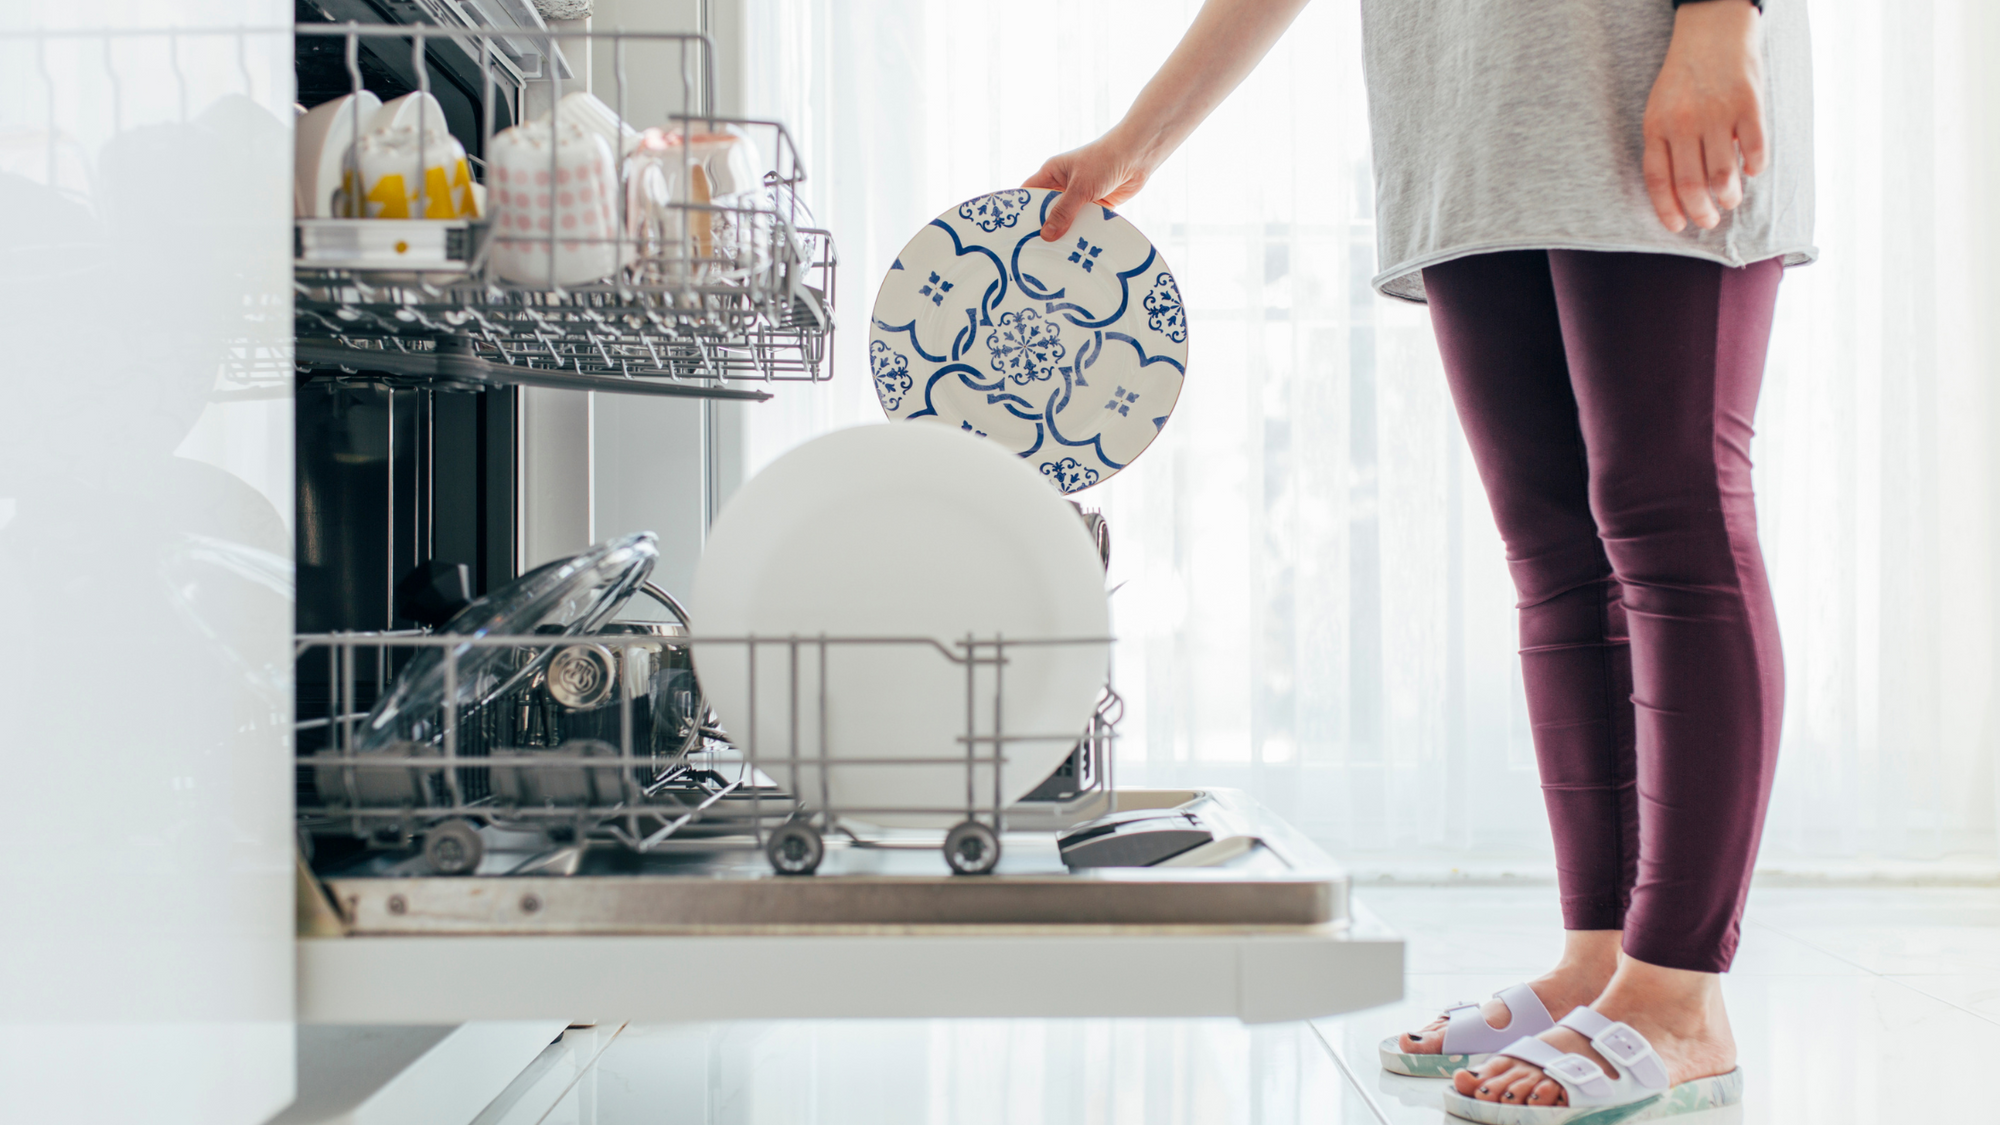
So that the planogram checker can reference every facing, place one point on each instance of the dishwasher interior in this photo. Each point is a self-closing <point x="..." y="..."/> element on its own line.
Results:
<point x="556" y="769"/>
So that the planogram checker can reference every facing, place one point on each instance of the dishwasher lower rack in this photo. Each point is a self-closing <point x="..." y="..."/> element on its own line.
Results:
<point x="604" y="745"/>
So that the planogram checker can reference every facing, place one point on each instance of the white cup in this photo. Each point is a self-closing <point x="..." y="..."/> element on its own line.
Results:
<point x="587" y="110"/>
<point x="396" y="138"/>
<point x="731" y="161"/>
<point x="555" y="221"/>
<point x="391" y="186"/>
<point x="660" y="173"/>
<point x="413" y="109"/>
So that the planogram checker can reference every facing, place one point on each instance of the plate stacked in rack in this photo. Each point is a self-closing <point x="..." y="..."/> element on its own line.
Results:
<point x="898" y="544"/>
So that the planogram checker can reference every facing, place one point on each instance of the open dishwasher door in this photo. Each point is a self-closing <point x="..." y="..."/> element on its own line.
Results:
<point x="1264" y="933"/>
<point x="520" y="864"/>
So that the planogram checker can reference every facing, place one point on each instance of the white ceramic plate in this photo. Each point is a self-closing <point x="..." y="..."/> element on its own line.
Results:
<point x="900" y="531"/>
<point x="1069" y="354"/>
<point x="322" y="137"/>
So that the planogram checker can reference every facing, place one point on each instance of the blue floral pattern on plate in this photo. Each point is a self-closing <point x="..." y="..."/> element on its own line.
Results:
<point x="1068" y="475"/>
<point x="997" y="209"/>
<point x="892" y="374"/>
<point x="1027" y="347"/>
<point x="1071" y="354"/>
<point x="1163" y="309"/>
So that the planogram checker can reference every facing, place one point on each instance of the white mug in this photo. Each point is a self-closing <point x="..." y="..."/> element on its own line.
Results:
<point x="388" y="151"/>
<point x="589" y="111"/>
<point x="660" y="173"/>
<point x="391" y="187"/>
<point x="411" y="109"/>
<point x="555" y="221"/>
<point x="731" y="160"/>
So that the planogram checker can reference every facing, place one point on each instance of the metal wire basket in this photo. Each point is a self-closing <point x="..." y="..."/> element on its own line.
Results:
<point x="738" y="286"/>
<point x="589" y="752"/>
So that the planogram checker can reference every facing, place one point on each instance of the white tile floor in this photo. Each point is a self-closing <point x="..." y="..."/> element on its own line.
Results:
<point x="1850" y="1006"/>
<point x="1837" y="997"/>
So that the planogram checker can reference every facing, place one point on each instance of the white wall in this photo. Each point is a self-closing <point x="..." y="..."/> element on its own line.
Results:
<point x="146" y="962"/>
<point x="556" y="440"/>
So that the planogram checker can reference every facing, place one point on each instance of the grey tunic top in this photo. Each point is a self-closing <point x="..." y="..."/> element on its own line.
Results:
<point x="1515" y="124"/>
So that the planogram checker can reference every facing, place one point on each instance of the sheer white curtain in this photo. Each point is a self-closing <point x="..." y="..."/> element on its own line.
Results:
<point x="1315" y="606"/>
<point x="1880" y="490"/>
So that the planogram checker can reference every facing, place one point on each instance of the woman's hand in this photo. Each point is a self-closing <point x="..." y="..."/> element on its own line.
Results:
<point x="1704" y="123"/>
<point x="1108" y="170"/>
<point x="1224" y="42"/>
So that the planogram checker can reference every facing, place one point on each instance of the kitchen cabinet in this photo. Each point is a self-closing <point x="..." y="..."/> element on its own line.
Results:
<point x="146" y="482"/>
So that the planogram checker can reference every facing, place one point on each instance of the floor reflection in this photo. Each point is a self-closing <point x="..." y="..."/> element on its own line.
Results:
<point x="1838" y="997"/>
<point x="969" y="1071"/>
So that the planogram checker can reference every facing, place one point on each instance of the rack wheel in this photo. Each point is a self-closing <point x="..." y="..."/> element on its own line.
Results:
<point x="795" y="849"/>
<point x="972" y="849"/>
<point x="453" y="848"/>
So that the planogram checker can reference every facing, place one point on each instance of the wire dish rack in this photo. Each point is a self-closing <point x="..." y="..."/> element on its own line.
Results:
<point x="607" y="741"/>
<point x="706" y="290"/>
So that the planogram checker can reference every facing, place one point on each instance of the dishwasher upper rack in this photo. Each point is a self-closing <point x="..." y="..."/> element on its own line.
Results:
<point x="744" y="291"/>
<point x="612" y="789"/>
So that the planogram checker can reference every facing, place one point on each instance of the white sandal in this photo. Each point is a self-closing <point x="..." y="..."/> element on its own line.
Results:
<point x="1639" y="1093"/>
<point x="1468" y="1039"/>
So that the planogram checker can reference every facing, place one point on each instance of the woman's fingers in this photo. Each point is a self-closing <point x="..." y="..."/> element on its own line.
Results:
<point x="1064" y="212"/>
<point x="1704" y="129"/>
<point x="1659" y="170"/>
<point x="1750" y="139"/>
<point x="1694" y="179"/>
<point x="1718" y="151"/>
<point x="1691" y="182"/>
<point x="1054" y="174"/>
<point x="1099" y="172"/>
<point x="1059" y="173"/>
<point x="1083" y="180"/>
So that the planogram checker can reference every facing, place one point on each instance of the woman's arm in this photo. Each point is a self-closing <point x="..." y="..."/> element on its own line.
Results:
<point x="1704" y="123"/>
<point x="1226" y="41"/>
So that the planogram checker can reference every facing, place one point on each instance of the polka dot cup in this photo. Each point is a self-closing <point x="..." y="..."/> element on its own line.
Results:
<point x="555" y="221"/>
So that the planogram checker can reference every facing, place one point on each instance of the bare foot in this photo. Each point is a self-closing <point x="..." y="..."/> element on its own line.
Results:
<point x="1590" y="957"/>
<point x="1679" y="1012"/>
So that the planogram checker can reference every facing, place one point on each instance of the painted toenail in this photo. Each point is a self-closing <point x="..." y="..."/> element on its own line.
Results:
<point x="1416" y="1038"/>
<point x="1509" y="1095"/>
<point x="1484" y="1090"/>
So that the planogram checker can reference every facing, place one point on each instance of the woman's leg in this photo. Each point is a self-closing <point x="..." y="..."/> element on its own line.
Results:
<point x="1499" y="330"/>
<point x="1666" y="357"/>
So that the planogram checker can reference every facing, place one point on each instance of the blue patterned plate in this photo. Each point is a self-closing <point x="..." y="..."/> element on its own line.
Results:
<point x="1070" y="354"/>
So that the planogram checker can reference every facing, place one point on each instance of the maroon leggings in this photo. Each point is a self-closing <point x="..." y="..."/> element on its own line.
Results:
<point x="1607" y="398"/>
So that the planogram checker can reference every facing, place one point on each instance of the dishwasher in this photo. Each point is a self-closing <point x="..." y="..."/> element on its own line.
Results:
<point x="276" y="451"/>
<point x="555" y="825"/>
